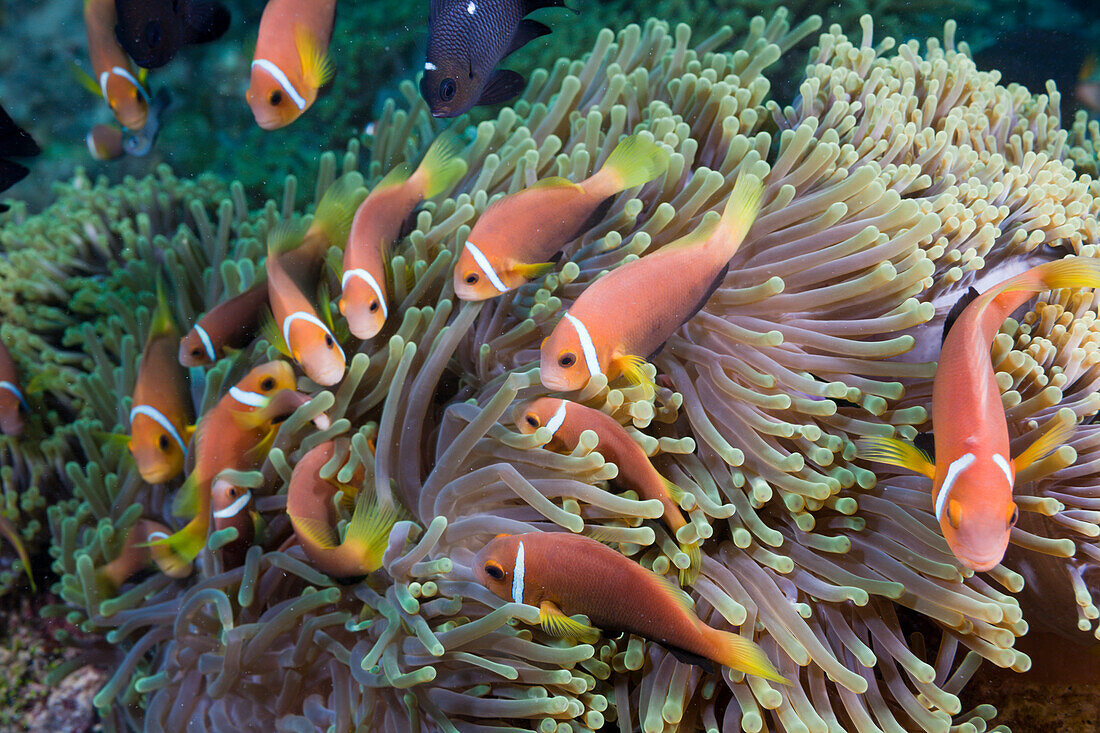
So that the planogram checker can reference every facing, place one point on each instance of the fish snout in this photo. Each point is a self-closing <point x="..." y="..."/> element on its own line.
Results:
<point x="328" y="374"/>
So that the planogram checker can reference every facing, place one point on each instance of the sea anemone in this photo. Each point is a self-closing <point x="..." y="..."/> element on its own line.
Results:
<point x="839" y="574"/>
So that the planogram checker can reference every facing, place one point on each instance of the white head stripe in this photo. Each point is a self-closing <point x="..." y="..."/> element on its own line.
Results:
<point x="125" y="74"/>
<point x="156" y="534"/>
<point x="486" y="267"/>
<point x="207" y="344"/>
<point x="429" y="66"/>
<point x="89" y="139"/>
<point x="235" y="508"/>
<point x="103" y="82"/>
<point x="158" y="417"/>
<point x="282" y="80"/>
<point x="1000" y="461"/>
<point x="252" y="399"/>
<point x="957" y="466"/>
<point x="587" y="346"/>
<point x="517" y="576"/>
<point x="308" y="318"/>
<point x="369" y="280"/>
<point x="558" y="418"/>
<point x="15" y="391"/>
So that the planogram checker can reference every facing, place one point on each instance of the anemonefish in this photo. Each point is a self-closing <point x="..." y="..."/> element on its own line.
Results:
<point x="11" y="397"/>
<point x="567" y="420"/>
<point x="231" y="506"/>
<point x="105" y="142"/>
<point x="138" y="550"/>
<point x="309" y="506"/>
<point x="466" y="40"/>
<point x="291" y="61"/>
<point x="160" y="415"/>
<point x="972" y="473"/>
<point x="299" y="331"/>
<point x="516" y="236"/>
<point x="236" y="433"/>
<point x="633" y="309"/>
<point x="232" y="323"/>
<point x="8" y="530"/>
<point x="114" y="77"/>
<point x="565" y="574"/>
<point x="377" y="224"/>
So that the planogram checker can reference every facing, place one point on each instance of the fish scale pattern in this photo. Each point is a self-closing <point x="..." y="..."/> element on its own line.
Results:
<point x="829" y="565"/>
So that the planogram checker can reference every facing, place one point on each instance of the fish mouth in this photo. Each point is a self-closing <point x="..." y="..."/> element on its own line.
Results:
<point x="156" y="474"/>
<point x="328" y="376"/>
<point x="556" y="383"/>
<point x="982" y="563"/>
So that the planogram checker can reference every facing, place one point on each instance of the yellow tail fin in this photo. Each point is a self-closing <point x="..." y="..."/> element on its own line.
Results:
<point x="637" y="159"/>
<point x="369" y="528"/>
<point x="337" y="208"/>
<point x="1071" y="272"/>
<point x="740" y="211"/>
<point x="162" y="317"/>
<point x="441" y="166"/>
<point x="737" y="652"/>
<point x="182" y="547"/>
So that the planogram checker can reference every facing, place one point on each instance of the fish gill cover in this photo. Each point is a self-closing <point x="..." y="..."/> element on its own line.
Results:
<point x="897" y="176"/>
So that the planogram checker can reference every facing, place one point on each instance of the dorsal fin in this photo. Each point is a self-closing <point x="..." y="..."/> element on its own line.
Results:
<point x="957" y="309"/>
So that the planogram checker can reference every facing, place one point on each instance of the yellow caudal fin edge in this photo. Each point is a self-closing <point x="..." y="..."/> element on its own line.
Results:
<point x="1071" y="272"/>
<point x="442" y="167"/>
<point x="745" y="655"/>
<point x="637" y="159"/>
<point x="337" y="208"/>
<point x="556" y="623"/>
<point x="896" y="453"/>
<point x="8" y="530"/>
<point x="186" y="501"/>
<point x="1045" y="444"/>
<point x="741" y="211"/>
<point x="176" y="552"/>
<point x="317" y="67"/>
<point x="369" y="528"/>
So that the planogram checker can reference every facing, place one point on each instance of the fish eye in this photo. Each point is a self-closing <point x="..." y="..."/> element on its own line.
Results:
<point x="532" y="419"/>
<point x="447" y="89"/>
<point x="373" y="306"/>
<point x="472" y="278"/>
<point x="328" y="341"/>
<point x="268" y="384"/>
<point x="196" y="352"/>
<point x="1015" y="516"/>
<point x="494" y="570"/>
<point x="276" y="98"/>
<point x="232" y="492"/>
<point x="567" y="359"/>
<point x="162" y="442"/>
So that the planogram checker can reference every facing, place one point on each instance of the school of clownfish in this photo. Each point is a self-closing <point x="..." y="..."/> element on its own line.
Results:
<point x="562" y="574"/>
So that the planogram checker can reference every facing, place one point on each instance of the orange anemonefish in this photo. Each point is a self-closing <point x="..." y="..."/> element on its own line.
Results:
<point x="296" y="328"/>
<point x="513" y="240"/>
<point x="564" y="574"/>
<point x="291" y="61"/>
<point x="309" y="506"/>
<point x="231" y="506"/>
<point x="231" y="323"/>
<point x="633" y="309"/>
<point x="567" y="420"/>
<point x="377" y="224"/>
<point x="114" y="78"/>
<point x="137" y="551"/>
<point x="235" y="433"/>
<point x="160" y="415"/>
<point x="972" y="474"/>
<point x="11" y="397"/>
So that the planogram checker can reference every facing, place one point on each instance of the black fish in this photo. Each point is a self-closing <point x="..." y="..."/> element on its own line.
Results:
<point x="14" y="143"/>
<point x="466" y="40"/>
<point x="153" y="31"/>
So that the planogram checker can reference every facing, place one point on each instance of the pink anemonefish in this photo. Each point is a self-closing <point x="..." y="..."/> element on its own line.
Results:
<point x="377" y="224"/>
<point x="972" y="474"/>
<point x="291" y="61"/>
<point x="567" y="420"/>
<point x="564" y="574"/>
<point x="114" y="77"/>
<point x="632" y="310"/>
<point x="513" y="240"/>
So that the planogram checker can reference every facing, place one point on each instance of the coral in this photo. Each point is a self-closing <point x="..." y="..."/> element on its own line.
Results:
<point x="816" y="337"/>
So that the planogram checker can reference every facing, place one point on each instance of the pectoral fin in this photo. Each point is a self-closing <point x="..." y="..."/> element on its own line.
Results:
<point x="537" y="269"/>
<point x="1046" y="444"/>
<point x="896" y="453"/>
<point x="633" y="370"/>
<point x="556" y="623"/>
